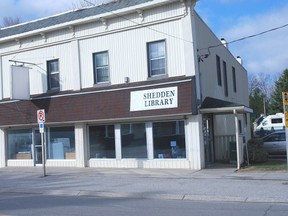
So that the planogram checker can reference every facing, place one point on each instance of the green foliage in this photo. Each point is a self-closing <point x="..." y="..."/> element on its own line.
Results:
<point x="256" y="99"/>
<point x="256" y="152"/>
<point x="281" y="85"/>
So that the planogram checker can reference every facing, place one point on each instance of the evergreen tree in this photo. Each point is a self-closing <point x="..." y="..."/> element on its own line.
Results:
<point x="256" y="101"/>
<point x="281" y="85"/>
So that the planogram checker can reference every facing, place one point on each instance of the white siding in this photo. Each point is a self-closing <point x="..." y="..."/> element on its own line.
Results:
<point x="125" y="40"/>
<point x="205" y="39"/>
<point x="128" y="53"/>
<point x="38" y="73"/>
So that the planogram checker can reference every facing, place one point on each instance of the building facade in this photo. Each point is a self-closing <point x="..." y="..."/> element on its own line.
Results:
<point x="128" y="84"/>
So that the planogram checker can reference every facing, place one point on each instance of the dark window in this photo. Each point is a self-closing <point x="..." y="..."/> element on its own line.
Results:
<point x="101" y="67"/>
<point x="169" y="139"/>
<point x="219" y="80"/>
<point x="133" y="140"/>
<point x="276" y="120"/>
<point x="240" y="126"/>
<point x="234" y="79"/>
<point x="225" y="79"/>
<point x="102" y="141"/>
<point x="53" y="74"/>
<point x="157" y="58"/>
<point x="275" y="137"/>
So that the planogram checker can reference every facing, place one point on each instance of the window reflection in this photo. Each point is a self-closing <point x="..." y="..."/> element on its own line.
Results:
<point x="102" y="141"/>
<point x="20" y="144"/>
<point x="133" y="140"/>
<point x="169" y="139"/>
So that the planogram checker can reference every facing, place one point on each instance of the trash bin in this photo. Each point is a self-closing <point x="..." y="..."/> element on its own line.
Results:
<point x="233" y="151"/>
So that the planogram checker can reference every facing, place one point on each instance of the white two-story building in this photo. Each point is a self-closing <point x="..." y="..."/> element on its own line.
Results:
<point x="128" y="84"/>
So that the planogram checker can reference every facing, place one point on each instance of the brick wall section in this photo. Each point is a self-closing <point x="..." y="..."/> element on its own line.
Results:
<point x="95" y="104"/>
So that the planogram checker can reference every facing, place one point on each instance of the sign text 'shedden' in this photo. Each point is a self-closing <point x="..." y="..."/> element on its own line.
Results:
<point x="159" y="98"/>
<point x="152" y="99"/>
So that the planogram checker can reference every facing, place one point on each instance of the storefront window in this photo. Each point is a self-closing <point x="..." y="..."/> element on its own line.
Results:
<point x="20" y="144"/>
<point x="102" y="141"/>
<point x="61" y="143"/>
<point x="133" y="140"/>
<point x="169" y="139"/>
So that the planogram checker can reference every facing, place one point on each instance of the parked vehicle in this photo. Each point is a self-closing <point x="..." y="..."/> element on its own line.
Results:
<point x="271" y="123"/>
<point x="275" y="143"/>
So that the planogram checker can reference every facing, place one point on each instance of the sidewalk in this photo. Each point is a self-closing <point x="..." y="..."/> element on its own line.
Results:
<point x="209" y="184"/>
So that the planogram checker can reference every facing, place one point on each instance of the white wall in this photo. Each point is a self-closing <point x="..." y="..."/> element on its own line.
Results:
<point x="125" y="40"/>
<point x="128" y="53"/>
<point x="210" y="87"/>
<point x="38" y="78"/>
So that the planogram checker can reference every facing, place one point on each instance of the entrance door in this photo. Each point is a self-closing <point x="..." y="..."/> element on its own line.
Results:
<point x="207" y="127"/>
<point x="37" y="148"/>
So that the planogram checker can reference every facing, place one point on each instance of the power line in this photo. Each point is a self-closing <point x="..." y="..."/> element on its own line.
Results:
<point x="251" y="36"/>
<point x="125" y="18"/>
<point x="164" y="33"/>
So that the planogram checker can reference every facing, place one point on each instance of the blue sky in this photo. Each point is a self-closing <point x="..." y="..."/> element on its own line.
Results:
<point x="231" y="19"/>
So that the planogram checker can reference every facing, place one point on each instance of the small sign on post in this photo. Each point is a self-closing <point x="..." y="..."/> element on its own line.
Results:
<point x="41" y="116"/>
<point x="41" y="128"/>
<point x="41" y="120"/>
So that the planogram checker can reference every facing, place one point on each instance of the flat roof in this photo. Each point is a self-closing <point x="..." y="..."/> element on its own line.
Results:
<point x="213" y="105"/>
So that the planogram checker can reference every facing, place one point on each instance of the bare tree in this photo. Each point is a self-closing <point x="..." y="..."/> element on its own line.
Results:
<point x="87" y="3"/>
<point x="10" y="21"/>
<point x="262" y="81"/>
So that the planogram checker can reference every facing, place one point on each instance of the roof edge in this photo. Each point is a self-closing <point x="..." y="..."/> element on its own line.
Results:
<point x="88" y="19"/>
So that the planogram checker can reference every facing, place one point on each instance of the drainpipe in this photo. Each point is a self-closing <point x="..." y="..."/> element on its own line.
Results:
<point x="237" y="139"/>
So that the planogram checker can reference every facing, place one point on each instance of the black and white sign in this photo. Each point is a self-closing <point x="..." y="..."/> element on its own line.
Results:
<point x="161" y="98"/>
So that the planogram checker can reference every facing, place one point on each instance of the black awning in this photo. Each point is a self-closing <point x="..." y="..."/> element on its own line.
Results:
<point x="212" y="105"/>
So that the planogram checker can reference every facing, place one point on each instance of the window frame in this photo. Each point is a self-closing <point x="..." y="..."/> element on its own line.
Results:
<point x="97" y="67"/>
<point x="51" y="74"/>
<point x="150" y="59"/>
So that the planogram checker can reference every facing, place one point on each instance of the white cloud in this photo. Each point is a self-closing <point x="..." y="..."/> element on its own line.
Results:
<point x="266" y="53"/>
<point x="28" y="10"/>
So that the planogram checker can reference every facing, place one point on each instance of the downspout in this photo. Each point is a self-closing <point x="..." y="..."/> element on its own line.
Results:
<point x="237" y="139"/>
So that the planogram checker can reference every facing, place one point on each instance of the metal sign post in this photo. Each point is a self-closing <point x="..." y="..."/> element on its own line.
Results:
<point x="285" y="108"/>
<point x="41" y="120"/>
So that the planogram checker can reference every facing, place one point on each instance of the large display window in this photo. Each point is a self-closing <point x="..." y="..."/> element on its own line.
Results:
<point x="169" y="139"/>
<point x="102" y="141"/>
<point x="133" y="140"/>
<point x="61" y="143"/>
<point x="20" y="144"/>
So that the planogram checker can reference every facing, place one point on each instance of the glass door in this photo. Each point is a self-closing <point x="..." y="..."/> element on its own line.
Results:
<point x="208" y="138"/>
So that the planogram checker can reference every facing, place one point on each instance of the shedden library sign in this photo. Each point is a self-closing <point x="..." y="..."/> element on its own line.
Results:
<point x="162" y="98"/>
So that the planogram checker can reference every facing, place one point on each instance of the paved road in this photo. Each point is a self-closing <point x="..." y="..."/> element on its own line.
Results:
<point x="36" y="204"/>
<point x="205" y="185"/>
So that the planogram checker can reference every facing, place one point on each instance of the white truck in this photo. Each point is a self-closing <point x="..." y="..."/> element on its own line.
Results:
<point x="272" y="123"/>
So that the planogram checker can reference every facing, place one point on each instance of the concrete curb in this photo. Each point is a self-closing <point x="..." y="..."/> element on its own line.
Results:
<point x="182" y="197"/>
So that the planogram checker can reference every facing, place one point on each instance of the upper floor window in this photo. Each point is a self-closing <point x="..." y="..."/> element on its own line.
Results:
<point x="219" y="80"/>
<point x="101" y="67"/>
<point x="156" y="58"/>
<point x="53" y="74"/>
<point x="234" y="79"/>
<point x="225" y="79"/>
